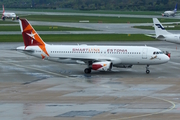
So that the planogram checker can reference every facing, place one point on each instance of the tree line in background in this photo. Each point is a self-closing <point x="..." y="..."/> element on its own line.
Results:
<point x="126" y="5"/>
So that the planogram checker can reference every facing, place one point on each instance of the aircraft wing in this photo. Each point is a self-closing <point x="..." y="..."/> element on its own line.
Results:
<point x="97" y="59"/>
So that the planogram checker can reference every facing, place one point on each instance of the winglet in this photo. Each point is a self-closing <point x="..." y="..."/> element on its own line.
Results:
<point x="30" y="36"/>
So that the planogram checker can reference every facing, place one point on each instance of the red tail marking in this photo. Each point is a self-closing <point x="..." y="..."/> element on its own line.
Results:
<point x="43" y="56"/>
<point x="30" y="36"/>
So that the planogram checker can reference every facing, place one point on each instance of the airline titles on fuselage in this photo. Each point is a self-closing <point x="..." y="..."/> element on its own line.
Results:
<point x="97" y="50"/>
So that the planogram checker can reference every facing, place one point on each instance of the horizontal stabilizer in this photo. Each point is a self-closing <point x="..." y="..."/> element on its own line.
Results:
<point x="22" y="49"/>
<point x="149" y="35"/>
<point x="30" y="51"/>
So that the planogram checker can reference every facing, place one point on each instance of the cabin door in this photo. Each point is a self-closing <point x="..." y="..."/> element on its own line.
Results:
<point x="144" y="53"/>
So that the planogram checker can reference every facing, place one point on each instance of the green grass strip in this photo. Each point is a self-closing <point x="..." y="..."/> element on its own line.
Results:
<point x="8" y="22"/>
<point x="81" y="38"/>
<point x="43" y="28"/>
<point x="93" y="11"/>
<point x="92" y="19"/>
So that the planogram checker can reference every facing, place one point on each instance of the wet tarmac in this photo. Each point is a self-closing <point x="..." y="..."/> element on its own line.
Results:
<point x="35" y="89"/>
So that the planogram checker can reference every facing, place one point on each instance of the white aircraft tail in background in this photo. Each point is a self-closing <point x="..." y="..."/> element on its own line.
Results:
<point x="159" y="29"/>
<point x="162" y="34"/>
<point x="101" y="58"/>
<point x="170" y="13"/>
<point x="8" y="15"/>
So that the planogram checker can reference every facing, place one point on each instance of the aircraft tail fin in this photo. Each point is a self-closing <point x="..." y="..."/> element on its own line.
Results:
<point x="30" y="36"/>
<point x="3" y="8"/>
<point x="159" y="29"/>
<point x="175" y="9"/>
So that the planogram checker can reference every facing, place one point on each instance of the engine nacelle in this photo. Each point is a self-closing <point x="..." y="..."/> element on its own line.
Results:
<point x="102" y="66"/>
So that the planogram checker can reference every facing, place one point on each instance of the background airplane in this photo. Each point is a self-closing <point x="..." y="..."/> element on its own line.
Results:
<point x="8" y="15"/>
<point x="101" y="58"/>
<point x="170" y="13"/>
<point x="162" y="34"/>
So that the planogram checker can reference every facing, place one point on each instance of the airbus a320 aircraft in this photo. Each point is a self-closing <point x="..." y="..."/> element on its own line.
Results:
<point x="8" y="15"/>
<point x="101" y="58"/>
<point x="170" y="13"/>
<point x="162" y="34"/>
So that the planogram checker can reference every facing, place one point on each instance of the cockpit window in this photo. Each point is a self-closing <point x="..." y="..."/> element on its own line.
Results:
<point x="155" y="53"/>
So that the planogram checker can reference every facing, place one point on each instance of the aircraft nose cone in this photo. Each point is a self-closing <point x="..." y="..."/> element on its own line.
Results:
<point x="166" y="58"/>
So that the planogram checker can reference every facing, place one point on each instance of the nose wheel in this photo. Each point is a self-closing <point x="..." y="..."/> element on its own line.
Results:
<point x="147" y="69"/>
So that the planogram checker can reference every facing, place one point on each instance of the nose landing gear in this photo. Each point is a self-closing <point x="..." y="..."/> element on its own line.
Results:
<point x="147" y="69"/>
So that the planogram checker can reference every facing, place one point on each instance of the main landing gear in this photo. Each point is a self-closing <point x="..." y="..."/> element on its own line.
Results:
<point x="17" y="17"/>
<point x="147" y="69"/>
<point x="3" y="18"/>
<point x="88" y="70"/>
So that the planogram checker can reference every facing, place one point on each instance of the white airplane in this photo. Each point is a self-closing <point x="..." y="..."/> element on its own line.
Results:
<point x="162" y="34"/>
<point x="170" y="13"/>
<point x="8" y="15"/>
<point x="101" y="58"/>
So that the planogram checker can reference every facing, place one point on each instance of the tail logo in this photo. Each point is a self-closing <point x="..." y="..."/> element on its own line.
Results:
<point x="32" y="36"/>
<point x="160" y="26"/>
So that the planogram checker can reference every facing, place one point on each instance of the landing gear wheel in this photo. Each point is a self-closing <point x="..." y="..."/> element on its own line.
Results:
<point x="147" y="71"/>
<point x="87" y="70"/>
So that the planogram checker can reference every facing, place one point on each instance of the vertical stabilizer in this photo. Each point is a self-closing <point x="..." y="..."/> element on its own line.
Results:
<point x="30" y="36"/>
<point x="175" y="9"/>
<point x="3" y="8"/>
<point x="159" y="29"/>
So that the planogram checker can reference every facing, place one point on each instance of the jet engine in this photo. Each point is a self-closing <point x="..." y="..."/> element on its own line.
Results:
<point x="102" y="66"/>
